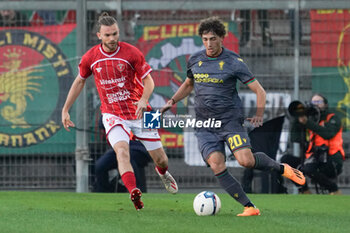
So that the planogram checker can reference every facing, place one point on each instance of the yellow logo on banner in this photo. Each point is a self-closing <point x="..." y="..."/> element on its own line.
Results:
<point x="16" y="85"/>
<point x="344" y="70"/>
<point x="26" y="117"/>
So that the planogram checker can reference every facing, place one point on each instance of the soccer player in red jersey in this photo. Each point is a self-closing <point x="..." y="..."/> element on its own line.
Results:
<point x="124" y="84"/>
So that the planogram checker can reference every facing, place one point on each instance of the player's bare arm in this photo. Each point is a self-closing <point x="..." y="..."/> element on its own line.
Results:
<point x="184" y="90"/>
<point x="147" y="91"/>
<point x="257" y="120"/>
<point x="73" y="94"/>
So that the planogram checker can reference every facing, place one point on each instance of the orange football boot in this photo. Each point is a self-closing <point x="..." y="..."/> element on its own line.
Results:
<point x="249" y="211"/>
<point x="293" y="174"/>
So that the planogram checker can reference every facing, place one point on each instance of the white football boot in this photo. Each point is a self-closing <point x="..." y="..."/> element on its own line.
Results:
<point x="168" y="181"/>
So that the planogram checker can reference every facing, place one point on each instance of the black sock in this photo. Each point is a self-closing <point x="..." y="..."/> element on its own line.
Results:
<point x="282" y="168"/>
<point x="265" y="163"/>
<point x="232" y="187"/>
<point x="249" y="204"/>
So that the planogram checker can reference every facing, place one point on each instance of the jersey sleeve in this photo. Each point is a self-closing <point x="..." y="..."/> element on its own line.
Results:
<point x="189" y="66"/>
<point x="243" y="73"/>
<point x="328" y="130"/>
<point x="189" y="74"/>
<point x="142" y="68"/>
<point x="84" y="67"/>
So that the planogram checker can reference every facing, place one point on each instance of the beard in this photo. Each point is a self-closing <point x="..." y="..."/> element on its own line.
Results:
<point x="112" y="46"/>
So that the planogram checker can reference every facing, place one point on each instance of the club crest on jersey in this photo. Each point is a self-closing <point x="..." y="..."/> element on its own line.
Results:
<point x="221" y="65"/>
<point x="121" y="67"/>
<point x="200" y="63"/>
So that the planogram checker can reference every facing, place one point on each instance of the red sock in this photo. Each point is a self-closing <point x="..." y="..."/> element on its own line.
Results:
<point x="129" y="180"/>
<point x="162" y="170"/>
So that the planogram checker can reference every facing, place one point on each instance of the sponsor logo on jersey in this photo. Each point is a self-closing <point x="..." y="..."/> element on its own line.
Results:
<point x="204" y="78"/>
<point x="112" y="81"/>
<point x="119" y="96"/>
<point x="121" y="85"/>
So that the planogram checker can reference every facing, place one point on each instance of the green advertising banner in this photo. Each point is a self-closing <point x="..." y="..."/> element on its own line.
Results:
<point x="35" y="77"/>
<point x="330" y="53"/>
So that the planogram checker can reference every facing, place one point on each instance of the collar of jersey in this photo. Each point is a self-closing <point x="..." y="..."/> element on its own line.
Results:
<point x="109" y="54"/>
<point x="214" y="58"/>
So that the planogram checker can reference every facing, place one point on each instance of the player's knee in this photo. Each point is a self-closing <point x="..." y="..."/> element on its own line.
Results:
<point x="217" y="167"/>
<point x="245" y="158"/>
<point x="248" y="163"/>
<point x="122" y="154"/>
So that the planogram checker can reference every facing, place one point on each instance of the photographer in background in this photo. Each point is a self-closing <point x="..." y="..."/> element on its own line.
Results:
<point x="324" y="153"/>
<point x="107" y="163"/>
<point x="107" y="176"/>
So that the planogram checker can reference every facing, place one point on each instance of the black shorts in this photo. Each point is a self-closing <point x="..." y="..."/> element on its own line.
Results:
<point x="233" y="133"/>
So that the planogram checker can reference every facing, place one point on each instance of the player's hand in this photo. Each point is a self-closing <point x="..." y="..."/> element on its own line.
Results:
<point x="256" y="121"/>
<point x="66" y="121"/>
<point x="167" y="106"/>
<point x="141" y="107"/>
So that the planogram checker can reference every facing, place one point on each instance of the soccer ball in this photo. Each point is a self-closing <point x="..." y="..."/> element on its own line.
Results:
<point x="206" y="203"/>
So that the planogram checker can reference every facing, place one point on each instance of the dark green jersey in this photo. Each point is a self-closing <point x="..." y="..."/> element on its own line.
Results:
<point x="215" y="82"/>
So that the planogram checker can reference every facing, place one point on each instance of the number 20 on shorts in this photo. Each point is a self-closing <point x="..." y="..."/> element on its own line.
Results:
<point x="235" y="141"/>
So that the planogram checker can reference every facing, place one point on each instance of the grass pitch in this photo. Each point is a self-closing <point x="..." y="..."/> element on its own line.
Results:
<point x="91" y="212"/>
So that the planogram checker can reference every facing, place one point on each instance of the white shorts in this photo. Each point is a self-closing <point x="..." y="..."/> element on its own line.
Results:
<point x="118" y="129"/>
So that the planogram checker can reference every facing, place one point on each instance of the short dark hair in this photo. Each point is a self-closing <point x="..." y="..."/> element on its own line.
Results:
<point x="106" y="20"/>
<point x="212" y="24"/>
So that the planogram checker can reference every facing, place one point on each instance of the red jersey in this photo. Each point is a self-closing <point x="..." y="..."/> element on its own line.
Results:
<point x="118" y="77"/>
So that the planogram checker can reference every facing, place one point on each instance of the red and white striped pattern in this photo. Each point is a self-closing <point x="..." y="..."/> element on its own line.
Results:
<point x="118" y="77"/>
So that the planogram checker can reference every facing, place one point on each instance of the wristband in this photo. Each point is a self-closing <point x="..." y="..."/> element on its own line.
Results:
<point x="174" y="102"/>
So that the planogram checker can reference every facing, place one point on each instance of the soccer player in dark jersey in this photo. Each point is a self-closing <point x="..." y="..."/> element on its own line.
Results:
<point x="213" y="74"/>
<point x="124" y="84"/>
